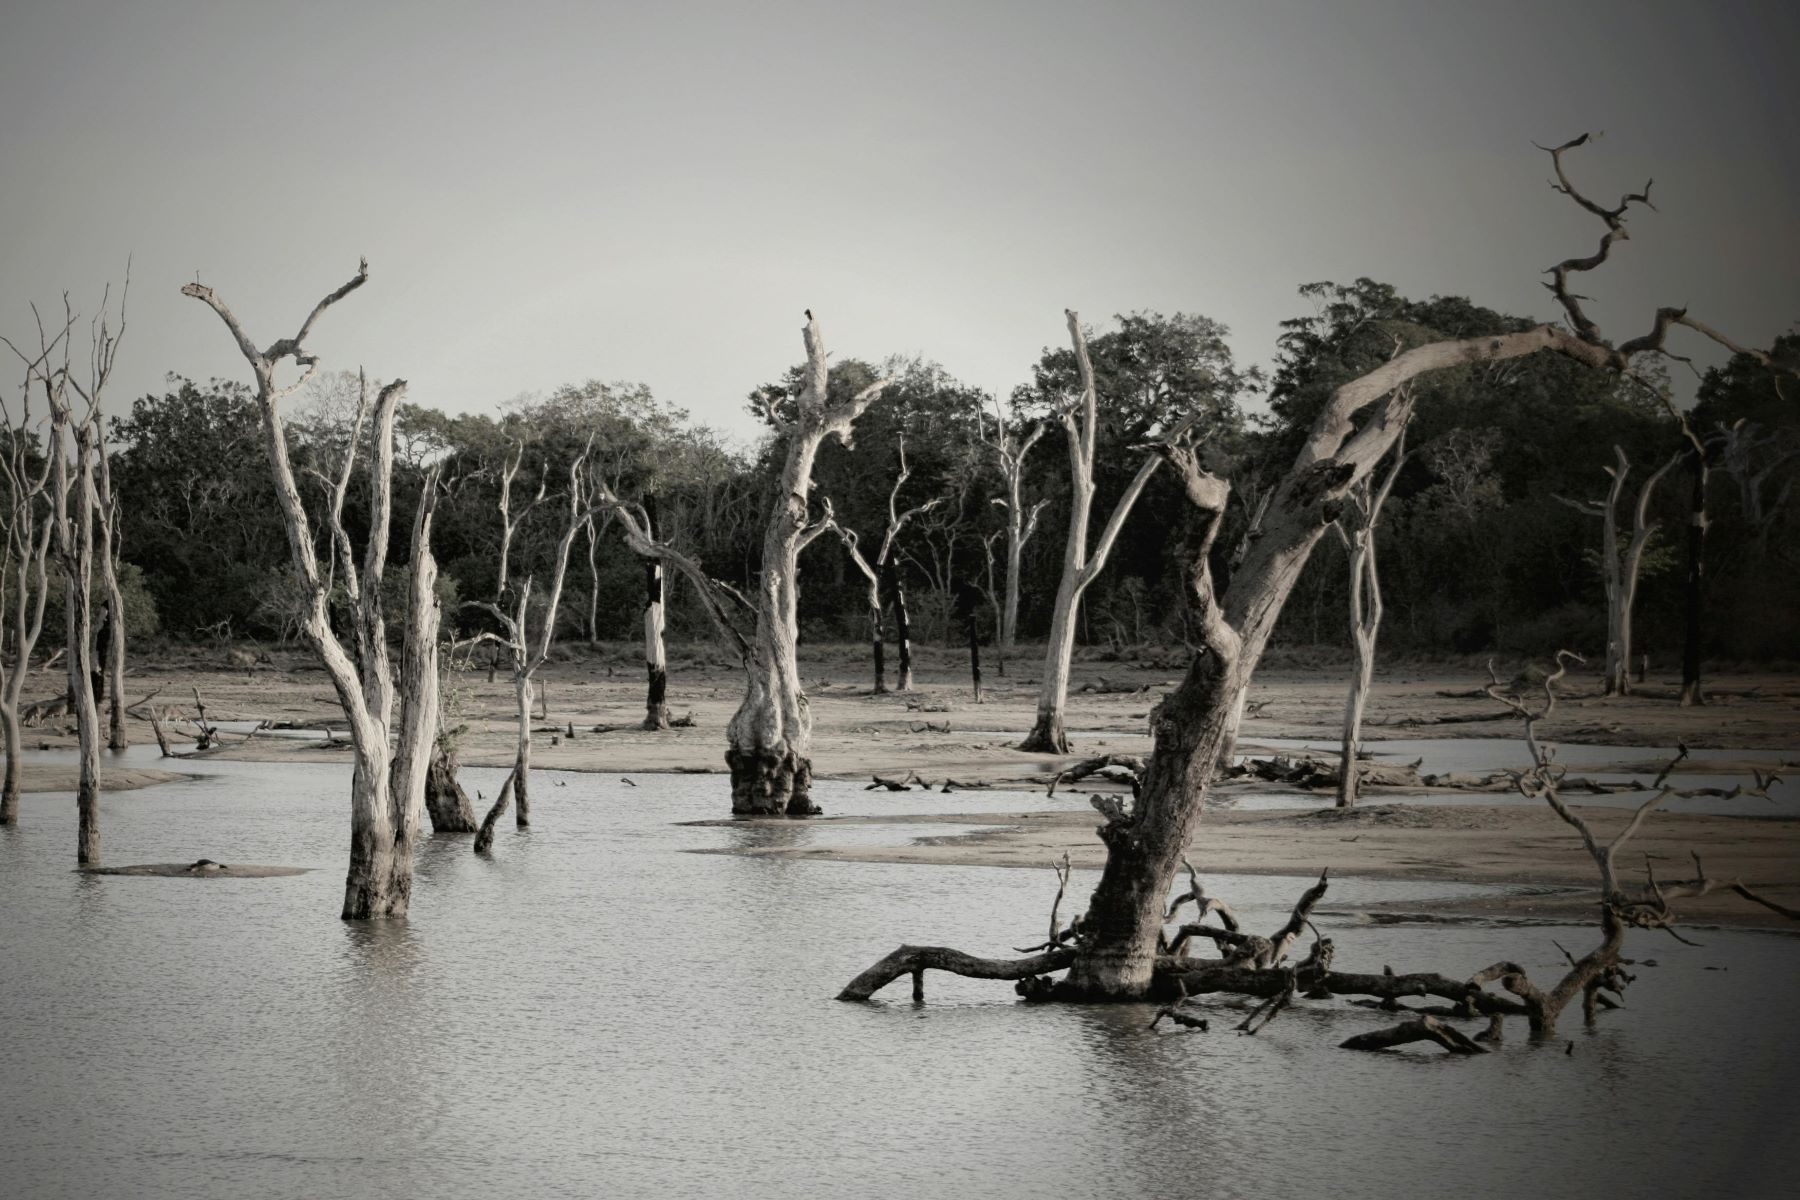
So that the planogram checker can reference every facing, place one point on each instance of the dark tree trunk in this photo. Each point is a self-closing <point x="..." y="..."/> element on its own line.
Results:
<point x="445" y="799"/>
<point x="773" y="783"/>
<point x="656" y="661"/>
<point x="968" y="603"/>
<point x="1694" y="591"/>
<point x="890" y="573"/>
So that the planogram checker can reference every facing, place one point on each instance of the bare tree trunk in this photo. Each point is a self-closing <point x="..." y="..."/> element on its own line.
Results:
<point x="896" y="590"/>
<point x="1020" y="525"/>
<point x="526" y="657"/>
<point x="24" y="568"/>
<point x="1619" y="568"/>
<point x="593" y="608"/>
<point x="522" y="757"/>
<point x="1080" y="565"/>
<point x="1363" y="631"/>
<point x="656" y="658"/>
<point x="106" y="519"/>
<point x="9" y="792"/>
<point x="445" y="798"/>
<point x="1694" y="589"/>
<point x="75" y="552"/>
<point x="883" y="574"/>
<point x="1356" y="528"/>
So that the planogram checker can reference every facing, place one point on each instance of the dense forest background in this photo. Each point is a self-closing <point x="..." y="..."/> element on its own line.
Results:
<point x="1479" y="551"/>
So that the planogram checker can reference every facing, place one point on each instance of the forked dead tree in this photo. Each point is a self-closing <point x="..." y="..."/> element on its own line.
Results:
<point x="24" y="575"/>
<point x="1082" y="564"/>
<point x="1356" y="529"/>
<point x="516" y="634"/>
<point x="1619" y="567"/>
<point x="883" y="577"/>
<point x="768" y="740"/>
<point x="1115" y="955"/>
<point x="72" y="447"/>
<point x="1010" y="452"/>
<point x="387" y="780"/>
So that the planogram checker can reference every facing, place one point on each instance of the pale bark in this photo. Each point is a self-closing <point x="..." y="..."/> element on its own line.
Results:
<point x="1081" y="565"/>
<point x="75" y="551"/>
<point x="72" y="448"/>
<point x="884" y="579"/>
<point x="769" y="737"/>
<point x="1357" y="530"/>
<point x="106" y="522"/>
<point x="1619" y="568"/>
<point x="517" y="638"/>
<point x="1010" y="452"/>
<point x="24" y="588"/>
<point x="383" y="820"/>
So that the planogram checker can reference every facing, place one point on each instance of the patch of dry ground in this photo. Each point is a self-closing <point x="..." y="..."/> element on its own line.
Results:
<point x="939" y="731"/>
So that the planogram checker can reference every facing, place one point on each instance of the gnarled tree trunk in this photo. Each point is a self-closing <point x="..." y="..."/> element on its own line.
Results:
<point x="769" y="737"/>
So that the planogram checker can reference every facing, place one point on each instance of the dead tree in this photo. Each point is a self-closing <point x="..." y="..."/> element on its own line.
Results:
<point x="1356" y="529"/>
<point x="883" y="578"/>
<point x="1081" y="564"/>
<point x="1255" y="965"/>
<point x="1116" y="956"/>
<point x="516" y="637"/>
<point x="1619" y="568"/>
<point x="770" y="735"/>
<point x="1010" y="451"/>
<point x="106" y="548"/>
<point x="768" y="740"/>
<point x="656" y="654"/>
<point x="386" y="791"/>
<point x="72" y="448"/>
<point x="24" y="576"/>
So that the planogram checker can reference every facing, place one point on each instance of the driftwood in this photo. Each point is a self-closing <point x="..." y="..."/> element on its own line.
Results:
<point x="1419" y="1029"/>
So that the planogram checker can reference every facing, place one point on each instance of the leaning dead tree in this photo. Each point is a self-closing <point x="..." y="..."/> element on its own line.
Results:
<point x="24" y="576"/>
<point x="883" y="577"/>
<point x="516" y="635"/>
<point x="1010" y="451"/>
<point x="1115" y="954"/>
<point x="768" y="740"/>
<point x="1619" y="567"/>
<point x="1257" y="965"/>
<point x="388" y="778"/>
<point x="1082" y="564"/>
<point x="1356" y="529"/>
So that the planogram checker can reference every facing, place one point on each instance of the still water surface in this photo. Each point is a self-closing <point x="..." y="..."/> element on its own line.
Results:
<point x="598" y="1011"/>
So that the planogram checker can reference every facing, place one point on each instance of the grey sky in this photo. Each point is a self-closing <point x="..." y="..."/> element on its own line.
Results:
<point x="550" y="192"/>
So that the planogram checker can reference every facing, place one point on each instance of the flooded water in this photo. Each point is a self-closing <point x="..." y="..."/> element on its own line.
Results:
<point x="597" y="1010"/>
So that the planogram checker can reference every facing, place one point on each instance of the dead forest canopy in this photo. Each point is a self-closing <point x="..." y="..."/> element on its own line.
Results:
<point x="1481" y="550"/>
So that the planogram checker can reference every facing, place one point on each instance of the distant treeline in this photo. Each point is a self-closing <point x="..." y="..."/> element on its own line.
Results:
<point x="1478" y="552"/>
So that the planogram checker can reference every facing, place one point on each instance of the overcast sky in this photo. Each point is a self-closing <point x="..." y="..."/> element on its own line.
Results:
<point x="551" y="192"/>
